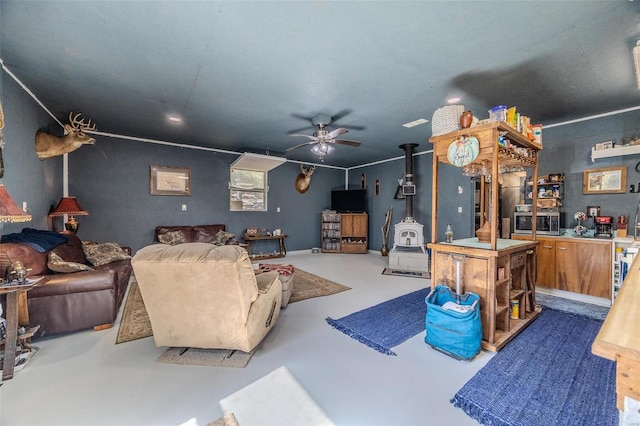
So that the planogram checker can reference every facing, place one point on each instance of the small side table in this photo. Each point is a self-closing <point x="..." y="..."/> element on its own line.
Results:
<point x="11" y="337"/>
<point x="250" y="239"/>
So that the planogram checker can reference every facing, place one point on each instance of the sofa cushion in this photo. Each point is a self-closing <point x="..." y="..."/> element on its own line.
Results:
<point x="57" y="264"/>
<point x="36" y="263"/>
<point x="102" y="254"/>
<point x="172" y="238"/>
<point x="222" y="237"/>
<point x="206" y="233"/>
<point x="187" y="231"/>
<point x="71" y="251"/>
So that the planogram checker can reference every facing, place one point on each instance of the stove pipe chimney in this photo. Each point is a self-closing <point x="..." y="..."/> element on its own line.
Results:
<point x="408" y="179"/>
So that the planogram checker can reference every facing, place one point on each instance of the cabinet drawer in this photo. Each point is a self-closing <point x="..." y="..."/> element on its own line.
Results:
<point x="354" y="248"/>
<point x="518" y="259"/>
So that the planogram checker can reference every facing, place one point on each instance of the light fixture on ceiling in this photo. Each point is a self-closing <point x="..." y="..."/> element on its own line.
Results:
<point x="174" y="118"/>
<point x="453" y="100"/>
<point x="321" y="149"/>
<point x="636" y="61"/>
<point x="415" y="123"/>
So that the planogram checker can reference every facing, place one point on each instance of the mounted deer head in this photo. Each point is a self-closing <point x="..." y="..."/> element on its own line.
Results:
<point x="48" y="146"/>
<point x="303" y="180"/>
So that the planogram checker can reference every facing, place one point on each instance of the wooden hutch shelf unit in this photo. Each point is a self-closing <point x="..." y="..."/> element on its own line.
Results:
<point x="499" y="270"/>
<point x="344" y="232"/>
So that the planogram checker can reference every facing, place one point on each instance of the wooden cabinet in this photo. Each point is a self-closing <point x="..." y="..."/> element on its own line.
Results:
<point x="546" y="263"/>
<point x="497" y="276"/>
<point x="546" y="260"/>
<point x="574" y="264"/>
<point x="584" y="267"/>
<point x="344" y="232"/>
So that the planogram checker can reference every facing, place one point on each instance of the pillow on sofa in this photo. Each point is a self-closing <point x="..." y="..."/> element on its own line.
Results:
<point x="222" y="237"/>
<point x="172" y="238"/>
<point x="57" y="264"/>
<point x="101" y="254"/>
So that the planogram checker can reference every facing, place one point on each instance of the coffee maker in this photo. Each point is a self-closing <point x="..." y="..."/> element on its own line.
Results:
<point x="604" y="226"/>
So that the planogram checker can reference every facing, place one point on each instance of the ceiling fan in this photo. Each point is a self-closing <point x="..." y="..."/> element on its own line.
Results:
<point x="322" y="139"/>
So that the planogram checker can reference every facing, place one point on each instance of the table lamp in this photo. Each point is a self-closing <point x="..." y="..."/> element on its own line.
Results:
<point x="69" y="206"/>
<point x="9" y="210"/>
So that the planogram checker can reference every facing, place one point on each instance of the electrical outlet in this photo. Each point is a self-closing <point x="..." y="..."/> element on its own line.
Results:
<point x="459" y="209"/>
<point x="277" y="209"/>
<point x="184" y="207"/>
<point x="460" y="189"/>
<point x="24" y="206"/>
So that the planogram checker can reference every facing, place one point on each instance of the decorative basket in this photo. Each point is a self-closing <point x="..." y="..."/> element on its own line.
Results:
<point x="446" y="119"/>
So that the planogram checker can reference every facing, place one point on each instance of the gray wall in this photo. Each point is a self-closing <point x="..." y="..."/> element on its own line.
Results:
<point x="26" y="178"/>
<point x="111" y="181"/>
<point x="448" y="199"/>
<point x="567" y="149"/>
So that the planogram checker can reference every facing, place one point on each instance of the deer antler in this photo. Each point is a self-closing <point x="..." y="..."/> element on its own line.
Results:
<point x="307" y="172"/>
<point x="80" y="125"/>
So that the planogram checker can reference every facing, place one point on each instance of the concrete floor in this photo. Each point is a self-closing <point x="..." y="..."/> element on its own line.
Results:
<point x="85" y="379"/>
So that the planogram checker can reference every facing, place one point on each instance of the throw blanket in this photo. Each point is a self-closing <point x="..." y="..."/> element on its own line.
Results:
<point x="282" y="269"/>
<point x="40" y="241"/>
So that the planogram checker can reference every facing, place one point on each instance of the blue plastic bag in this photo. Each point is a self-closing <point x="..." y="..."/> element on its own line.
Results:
<point x="456" y="332"/>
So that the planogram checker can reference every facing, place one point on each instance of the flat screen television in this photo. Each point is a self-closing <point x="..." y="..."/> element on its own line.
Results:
<point x="349" y="200"/>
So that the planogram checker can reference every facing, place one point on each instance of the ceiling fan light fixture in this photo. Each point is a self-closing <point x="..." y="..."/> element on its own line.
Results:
<point x="454" y="100"/>
<point x="322" y="149"/>
<point x="636" y="61"/>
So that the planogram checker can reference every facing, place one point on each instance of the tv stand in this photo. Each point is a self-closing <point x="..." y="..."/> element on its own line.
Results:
<point x="345" y="233"/>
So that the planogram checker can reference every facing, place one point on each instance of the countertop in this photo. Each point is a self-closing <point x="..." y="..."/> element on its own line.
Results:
<point x="569" y="234"/>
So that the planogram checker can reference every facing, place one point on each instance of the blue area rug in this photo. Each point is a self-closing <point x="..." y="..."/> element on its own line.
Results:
<point x="387" y="324"/>
<point x="546" y="376"/>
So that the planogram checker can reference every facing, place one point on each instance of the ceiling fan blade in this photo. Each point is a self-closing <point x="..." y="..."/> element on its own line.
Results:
<point x="342" y="114"/>
<point x="301" y="145"/>
<point x="346" y="142"/>
<point x="339" y="115"/>
<point x="302" y="117"/>
<point x="337" y="132"/>
<point x="345" y="126"/>
<point x="302" y="129"/>
<point x="313" y="138"/>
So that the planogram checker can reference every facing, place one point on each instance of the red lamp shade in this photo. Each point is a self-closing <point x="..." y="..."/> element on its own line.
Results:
<point x="9" y="210"/>
<point x="71" y="207"/>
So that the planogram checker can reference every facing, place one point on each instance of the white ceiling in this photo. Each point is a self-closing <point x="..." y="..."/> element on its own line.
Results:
<point x="245" y="74"/>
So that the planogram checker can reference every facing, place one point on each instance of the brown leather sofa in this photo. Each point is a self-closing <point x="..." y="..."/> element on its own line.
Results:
<point x="191" y="234"/>
<point x="70" y="301"/>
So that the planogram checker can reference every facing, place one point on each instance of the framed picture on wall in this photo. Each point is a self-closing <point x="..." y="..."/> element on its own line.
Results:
<point x="593" y="211"/>
<point x="170" y="180"/>
<point x="610" y="180"/>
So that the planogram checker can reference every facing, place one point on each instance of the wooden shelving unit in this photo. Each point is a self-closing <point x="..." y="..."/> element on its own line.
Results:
<point x="496" y="270"/>
<point x="344" y="232"/>
<point x="281" y="251"/>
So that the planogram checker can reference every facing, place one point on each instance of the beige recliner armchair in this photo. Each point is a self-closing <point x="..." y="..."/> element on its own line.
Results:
<point x="199" y="295"/>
